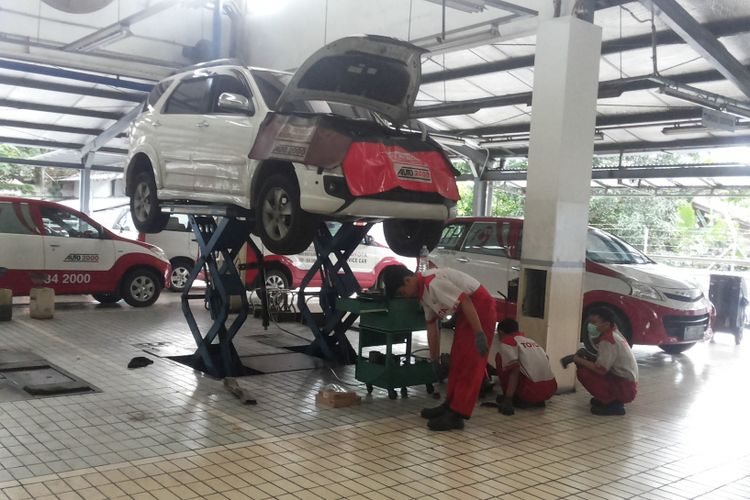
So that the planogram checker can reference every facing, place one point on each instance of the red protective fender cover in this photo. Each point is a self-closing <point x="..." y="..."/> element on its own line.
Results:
<point x="372" y="168"/>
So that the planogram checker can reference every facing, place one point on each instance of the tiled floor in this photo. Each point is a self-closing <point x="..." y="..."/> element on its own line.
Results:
<point x="164" y="431"/>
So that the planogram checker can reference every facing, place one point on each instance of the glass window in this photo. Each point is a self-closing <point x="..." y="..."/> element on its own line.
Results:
<point x="604" y="248"/>
<point x="15" y="218"/>
<point x="482" y="239"/>
<point x="226" y="83"/>
<point x="156" y="93"/>
<point x="59" y="222"/>
<point x="191" y="97"/>
<point x="451" y="236"/>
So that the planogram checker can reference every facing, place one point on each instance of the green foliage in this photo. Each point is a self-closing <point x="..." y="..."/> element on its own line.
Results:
<point x="506" y="204"/>
<point x="17" y="178"/>
<point x="464" y="206"/>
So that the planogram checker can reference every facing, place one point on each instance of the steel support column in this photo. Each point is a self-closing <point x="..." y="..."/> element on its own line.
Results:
<point x="84" y="192"/>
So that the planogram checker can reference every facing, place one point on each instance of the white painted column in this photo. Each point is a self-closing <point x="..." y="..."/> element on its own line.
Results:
<point x="563" y="117"/>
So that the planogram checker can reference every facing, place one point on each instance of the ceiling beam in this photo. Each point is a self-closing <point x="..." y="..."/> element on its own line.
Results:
<point x="113" y="131"/>
<point x="667" y="37"/>
<point x="57" y="164"/>
<point x="40" y="143"/>
<point x="648" y="172"/>
<point x="71" y="89"/>
<point x="41" y="69"/>
<point x="62" y="110"/>
<point x="739" y="140"/>
<point x="49" y="127"/>
<point x="703" y="42"/>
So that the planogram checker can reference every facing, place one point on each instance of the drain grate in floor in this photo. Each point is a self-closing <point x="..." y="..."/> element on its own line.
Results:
<point x="24" y="375"/>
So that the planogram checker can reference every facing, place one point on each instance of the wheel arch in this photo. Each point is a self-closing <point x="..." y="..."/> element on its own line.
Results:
<point x="147" y="267"/>
<point x="276" y="264"/>
<point x="140" y="162"/>
<point x="266" y="169"/>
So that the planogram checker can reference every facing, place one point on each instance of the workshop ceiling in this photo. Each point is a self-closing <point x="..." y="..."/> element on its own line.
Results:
<point x="66" y="77"/>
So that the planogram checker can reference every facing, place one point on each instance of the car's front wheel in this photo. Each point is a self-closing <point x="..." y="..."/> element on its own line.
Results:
<point x="406" y="237"/>
<point x="140" y="288"/>
<point x="284" y="227"/>
<point x="144" y="205"/>
<point x="180" y="273"/>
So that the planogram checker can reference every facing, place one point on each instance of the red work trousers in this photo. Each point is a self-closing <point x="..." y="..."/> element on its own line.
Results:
<point x="527" y="391"/>
<point x="607" y="388"/>
<point x="467" y="367"/>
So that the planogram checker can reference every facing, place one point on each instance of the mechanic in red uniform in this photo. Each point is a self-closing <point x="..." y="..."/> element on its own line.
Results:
<point x="443" y="292"/>
<point x="523" y="370"/>
<point x="611" y="378"/>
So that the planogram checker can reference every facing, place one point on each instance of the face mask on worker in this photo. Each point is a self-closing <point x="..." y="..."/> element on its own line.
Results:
<point x="592" y="331"/>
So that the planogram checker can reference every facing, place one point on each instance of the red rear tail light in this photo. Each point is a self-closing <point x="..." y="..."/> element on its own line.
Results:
<point x="142" y="237"/>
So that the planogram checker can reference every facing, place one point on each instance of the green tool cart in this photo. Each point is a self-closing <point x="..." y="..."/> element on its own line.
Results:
<point x="385" y="322"/>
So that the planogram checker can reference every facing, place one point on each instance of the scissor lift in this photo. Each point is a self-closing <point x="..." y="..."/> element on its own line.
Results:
<point x="221" y="232"/>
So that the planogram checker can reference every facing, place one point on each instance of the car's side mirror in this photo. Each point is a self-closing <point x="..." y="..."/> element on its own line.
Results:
<point x="235" y="103"/>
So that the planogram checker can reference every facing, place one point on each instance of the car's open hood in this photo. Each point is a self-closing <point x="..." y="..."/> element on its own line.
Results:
<point x="374" y="72"/>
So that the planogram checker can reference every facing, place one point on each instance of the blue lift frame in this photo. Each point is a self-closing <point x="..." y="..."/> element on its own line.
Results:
<point x="338" y="281"/>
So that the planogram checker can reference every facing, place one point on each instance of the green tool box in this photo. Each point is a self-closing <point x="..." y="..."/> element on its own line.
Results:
<point x="385" y="322"/>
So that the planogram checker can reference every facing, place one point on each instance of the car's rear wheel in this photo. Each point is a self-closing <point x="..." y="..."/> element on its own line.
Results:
<point x="676" y="348"/>
<point x="140" y="288"/>
<point x="284" y="227"/>
<point x="406" y="237"/>
<point x="180" y="273"/>
<point x="144" y="205"/>
<point x="620" y="320"/>
<point x="106" y="298"/>
<point x="277" y="278"/>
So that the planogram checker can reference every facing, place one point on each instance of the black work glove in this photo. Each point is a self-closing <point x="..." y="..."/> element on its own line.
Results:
<point x="480" y="341"/>
<point x="566" y="360"/>
<point x="505" y="406"/>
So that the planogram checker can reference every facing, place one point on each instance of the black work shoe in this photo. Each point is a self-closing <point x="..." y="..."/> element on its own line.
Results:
<point x="447" y="421"/>
<point x="430" y="413"/>
<point x="595" y="402"/>
<point x="566" y="360"/>
<point x="615" y="408"/>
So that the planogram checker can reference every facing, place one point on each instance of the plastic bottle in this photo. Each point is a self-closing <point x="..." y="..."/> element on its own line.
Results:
<point x="424" y="255"/>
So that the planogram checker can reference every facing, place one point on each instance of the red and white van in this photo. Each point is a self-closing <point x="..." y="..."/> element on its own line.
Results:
<point x="42" y="242"/>
<point x="651" y="303"/>
<point x="366" y="262"/>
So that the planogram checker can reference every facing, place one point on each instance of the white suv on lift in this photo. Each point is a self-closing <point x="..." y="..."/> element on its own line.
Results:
<point x="296" y="149"/>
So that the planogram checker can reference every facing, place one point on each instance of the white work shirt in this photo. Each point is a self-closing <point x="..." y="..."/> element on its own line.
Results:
<point x="533" y="361"/>
<point x="443" y="291"/>
<point x="615" y="356"/>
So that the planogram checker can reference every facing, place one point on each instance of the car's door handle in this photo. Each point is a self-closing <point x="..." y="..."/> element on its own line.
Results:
<point x="54" y="245"/>
<point x="202" y="124"/>
<point x="515" y="268"/>
<point x="462" y="259"/>
<point x="156" y="124"/>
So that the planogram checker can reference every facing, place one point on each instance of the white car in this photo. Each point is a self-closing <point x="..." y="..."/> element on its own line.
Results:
<point x="177" y="240"/>
<point x="296" y="149"/>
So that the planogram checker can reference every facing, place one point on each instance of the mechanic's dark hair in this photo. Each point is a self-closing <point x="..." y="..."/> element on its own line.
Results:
<point x="393" y="278"/>
<point x="508" y="325"/>
<point x="604" y="313"/>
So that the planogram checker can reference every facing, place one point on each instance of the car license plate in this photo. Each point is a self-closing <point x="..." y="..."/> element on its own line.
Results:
<point x="693" y="332"/>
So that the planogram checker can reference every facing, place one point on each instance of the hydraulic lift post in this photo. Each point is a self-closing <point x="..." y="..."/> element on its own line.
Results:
<point x="338" y="281"/>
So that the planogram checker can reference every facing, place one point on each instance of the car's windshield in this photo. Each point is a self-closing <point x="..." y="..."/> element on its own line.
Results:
<point x="272" y="83"/>
<point x="605" y="248"/>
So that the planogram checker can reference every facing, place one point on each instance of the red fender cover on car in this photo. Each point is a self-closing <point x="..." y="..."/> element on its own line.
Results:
<point x="371" y="168"/>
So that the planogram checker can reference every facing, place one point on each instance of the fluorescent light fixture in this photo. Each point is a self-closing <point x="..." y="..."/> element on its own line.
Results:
<point x="100" y="38"/>
<point x="520" y="140"/>
<point x="708" y="100"/>
<point x="683" y="129"/>
<point x="469" y="6"/>
<point x="462" y="42"/>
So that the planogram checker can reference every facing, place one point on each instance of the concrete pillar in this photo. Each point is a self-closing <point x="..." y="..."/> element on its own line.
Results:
<point x="480" y="201"/>
<point x="562" y="140"/>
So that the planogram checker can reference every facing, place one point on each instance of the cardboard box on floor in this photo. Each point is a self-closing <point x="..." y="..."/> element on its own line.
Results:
<point x="336" y="399"/>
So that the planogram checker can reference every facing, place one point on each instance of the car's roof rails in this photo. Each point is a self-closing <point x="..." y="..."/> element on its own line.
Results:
<point x="210" y="64"/>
